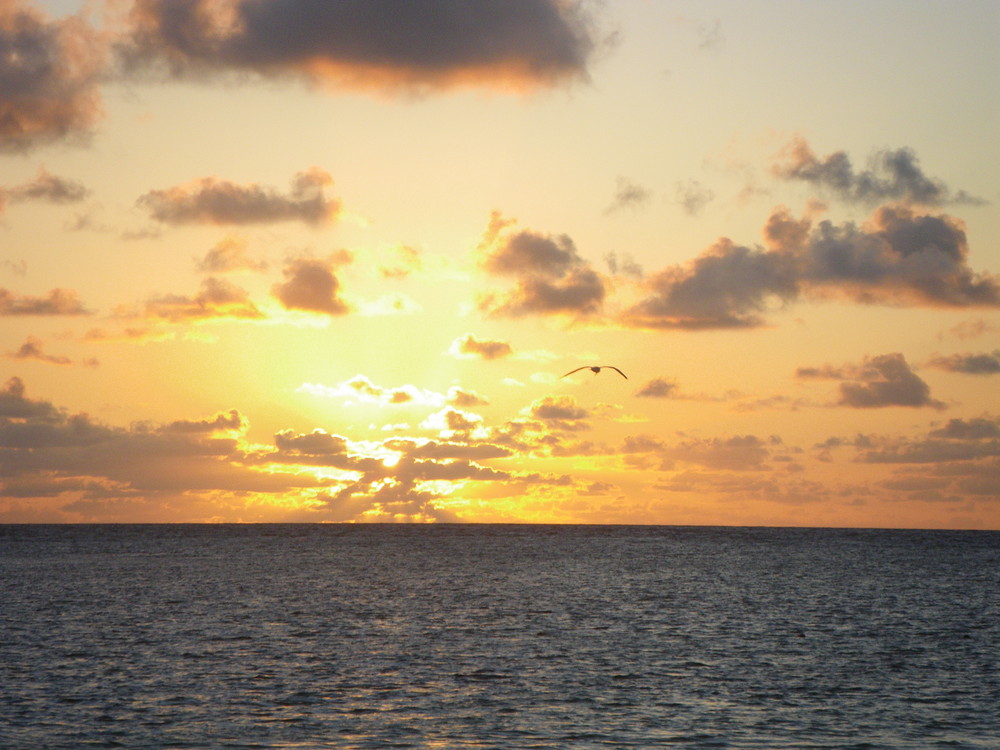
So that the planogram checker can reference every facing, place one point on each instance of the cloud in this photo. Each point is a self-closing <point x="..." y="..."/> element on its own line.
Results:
<point x="738" y="453"/>
<point x="465" y="399"/>
<point x="883" y="380"/>
<point x="57" y="302"/>
<point x="45" y="187"/>
<point x="657" y="388"/>
<point x="629" y="194"/>
<point x="404" y="261"/>
<point x="451" y="422"/>
<point x="624" y="265"/>
<point x="981" y="428"/>
<point x="374" y="44"/>
<point x="728" y="286"/>
<point x="32" y="349"/>
<point x="560" y="413"/>
<point x="229" y="256"/>
<point x="79" y="469"/>
<point x="893" y="175"/>
<point x="898" y="257"/>
<point x="311" y="285"/>
<point x="959" y="448"/>
<point x="468" y="346"/>
<point x="213" y="201"/>
<point x="550" y="277"/>
<point x="217" y="298"/>
<point x="970" y="364"/>
<point x="231" y="421"/>
<point x="49" y="73"/>
<point x="693" y="197"/>
<point x="360" y="389"/>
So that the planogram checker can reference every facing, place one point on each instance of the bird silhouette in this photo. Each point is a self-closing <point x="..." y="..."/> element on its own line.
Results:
<point x="596" y="369"/>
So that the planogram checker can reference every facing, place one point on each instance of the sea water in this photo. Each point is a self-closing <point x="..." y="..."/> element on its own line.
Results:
<point x="462" y="636"/>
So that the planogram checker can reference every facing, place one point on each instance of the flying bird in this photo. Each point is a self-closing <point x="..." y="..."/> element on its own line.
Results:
<point x="596" y="369"/>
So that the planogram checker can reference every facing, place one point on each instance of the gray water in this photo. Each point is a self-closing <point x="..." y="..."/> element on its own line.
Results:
<point x="497" y="637"/>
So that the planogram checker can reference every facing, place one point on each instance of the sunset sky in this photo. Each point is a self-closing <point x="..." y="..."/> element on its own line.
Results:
<point x="287" y="260"/>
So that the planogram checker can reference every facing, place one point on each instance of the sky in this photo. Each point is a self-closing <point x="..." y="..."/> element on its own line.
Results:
<point x="288" y="261"/>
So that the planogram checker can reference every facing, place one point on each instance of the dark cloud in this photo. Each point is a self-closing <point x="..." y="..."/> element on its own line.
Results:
<point x="366" y="43"/>
<point x="550" y="277"/>
<point x="213" y="201"/>
<point x="217" y="298"/>
<point x="49" y="73"/>
<point x="893" y="175"/>
<point x="657" y="388"/>
<point x="970" y="364"/>
<point x="15" y="405"/>
<point x="57" y="302"/>
<point x="629" y="194"/>
<point x="470" y="346"/>
<point x="886" y="380"/>
<point x="729" y="286"/>
<point x="981" y="428"/>
<point x="899" y="257"/>
<point x="311" y="285"/>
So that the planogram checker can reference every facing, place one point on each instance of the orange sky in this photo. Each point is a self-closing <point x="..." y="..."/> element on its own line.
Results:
<point x="270" y="262"/>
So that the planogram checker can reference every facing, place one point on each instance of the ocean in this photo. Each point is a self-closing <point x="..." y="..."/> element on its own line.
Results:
<point x="469" y="636"/>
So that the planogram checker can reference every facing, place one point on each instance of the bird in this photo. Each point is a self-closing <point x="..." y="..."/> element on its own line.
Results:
<point x="596" y="369"/>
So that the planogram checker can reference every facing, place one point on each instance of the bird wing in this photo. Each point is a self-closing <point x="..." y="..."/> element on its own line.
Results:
<point x="585" y="367"/>
<point x="612" y="367"/>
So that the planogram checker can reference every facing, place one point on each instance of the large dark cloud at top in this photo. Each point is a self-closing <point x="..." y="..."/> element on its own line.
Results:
<point x="366" y="42"/>
<point x="899" y="257"/>
<point x="49" y="74"/>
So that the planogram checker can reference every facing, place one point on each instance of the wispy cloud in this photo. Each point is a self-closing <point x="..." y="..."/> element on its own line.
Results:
<point x="217" y="298"/>
<point x="229" y="256"/>
<point x="33" y="349"/>
<point x="629" y="194"/>
<point x="56" y="302"/>
<point x="468" y="346"/>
